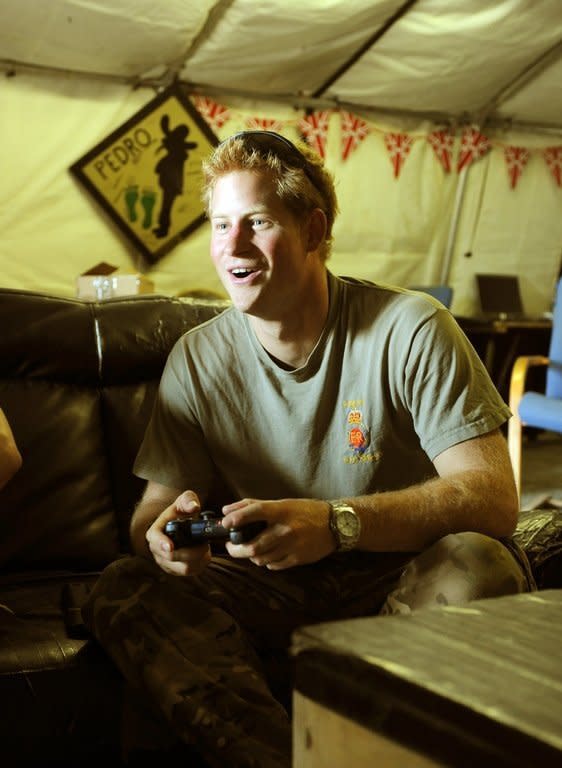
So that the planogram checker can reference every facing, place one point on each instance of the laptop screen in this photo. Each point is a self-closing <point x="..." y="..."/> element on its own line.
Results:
<point x="499" y="294"/>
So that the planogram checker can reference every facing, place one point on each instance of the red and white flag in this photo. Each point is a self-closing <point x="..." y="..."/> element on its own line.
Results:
<point x="215" y="114"/>
<point x="264" y="124"/>
<point x="353" y="131"/>
<point x="314" y="128"/>
<point x="516" y="159"/>
<point x="553" y="158"/>
<point x="442" y="144"/>
<point x="398" y="146"/>
<point x="473" y="146"/>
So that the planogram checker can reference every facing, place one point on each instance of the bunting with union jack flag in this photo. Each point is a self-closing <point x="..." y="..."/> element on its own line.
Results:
<point x="215" y="114"/>
<point x="353" y="131"/>
<point x="398" y="146"/>
<point x="452" y="152"/>
<point x="474" y="145"/>
<point x="516" y="158"/>
<point x="314" y="128"/>
<point x="442" y="144"/>
<point x="264" y="124"/>
<point x="553" y="158"/>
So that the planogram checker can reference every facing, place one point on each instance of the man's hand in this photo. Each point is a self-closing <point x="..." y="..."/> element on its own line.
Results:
<point x="297" y="531"/>
<point x="177" y="562"/>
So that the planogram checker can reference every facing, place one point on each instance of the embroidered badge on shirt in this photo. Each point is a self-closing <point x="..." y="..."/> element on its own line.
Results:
<point x="358" y="434"/>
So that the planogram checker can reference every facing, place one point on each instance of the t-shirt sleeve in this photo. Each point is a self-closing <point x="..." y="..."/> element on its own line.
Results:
<point x="447" y="388"/>
<point x="173" y="452"/>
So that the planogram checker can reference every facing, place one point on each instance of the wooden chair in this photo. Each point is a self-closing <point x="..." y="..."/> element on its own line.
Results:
<point x="536" y="409"/>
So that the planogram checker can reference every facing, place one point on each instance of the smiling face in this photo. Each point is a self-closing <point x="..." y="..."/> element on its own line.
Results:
<point x="259" y="248"/>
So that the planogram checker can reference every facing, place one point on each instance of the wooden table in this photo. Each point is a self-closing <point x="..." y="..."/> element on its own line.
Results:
<point x="475" y="686"/>
<point x="499" y="342"/>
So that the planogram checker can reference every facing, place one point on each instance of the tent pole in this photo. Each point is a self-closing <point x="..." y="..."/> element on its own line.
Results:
<point x="459" y="198"/>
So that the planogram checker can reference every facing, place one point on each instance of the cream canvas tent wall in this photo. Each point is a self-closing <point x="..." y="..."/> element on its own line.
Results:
<point x="363" y="71"/>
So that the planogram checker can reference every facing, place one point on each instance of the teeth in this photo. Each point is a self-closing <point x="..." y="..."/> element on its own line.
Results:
<point x="241" y="272"/>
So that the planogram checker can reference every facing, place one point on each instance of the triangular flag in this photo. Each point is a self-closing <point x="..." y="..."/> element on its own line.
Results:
<point x="353" y="131"/>
<point x="473" y="146"/>
<point x="215" y="114"/>
<point x="553" y="157"/>
<point x="442" y="143"/>
<point x="398" y="146"/>
<point x="314" y="128"/>
<point x="264" y="124"/>
<point x="516" y="159"/>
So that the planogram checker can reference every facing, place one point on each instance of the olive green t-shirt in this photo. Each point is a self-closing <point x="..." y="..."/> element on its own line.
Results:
<point x="391" y="383"/>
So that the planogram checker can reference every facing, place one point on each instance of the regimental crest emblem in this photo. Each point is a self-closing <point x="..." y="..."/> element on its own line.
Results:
<point x="358" y="434"/>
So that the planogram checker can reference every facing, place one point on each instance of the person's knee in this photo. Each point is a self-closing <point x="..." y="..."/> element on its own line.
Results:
<point x="476" y="566"/>
<point x="122" y="575"/>
<point x="456" y="569"/>
<point x="115" y="590"/>
<point x="471" y="551"/>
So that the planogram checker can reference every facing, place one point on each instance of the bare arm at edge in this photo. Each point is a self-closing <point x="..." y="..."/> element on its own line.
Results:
<point x="10" y="457"/>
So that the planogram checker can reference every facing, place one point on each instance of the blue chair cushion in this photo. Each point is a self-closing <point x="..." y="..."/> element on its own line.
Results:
<point x="537" y="410"/>
<point x="443" y="293"/>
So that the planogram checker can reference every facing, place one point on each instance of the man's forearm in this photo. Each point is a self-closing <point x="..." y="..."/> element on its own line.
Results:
<point x="410" y="519"/>
<point x="145" y="514"/>
<point x="155" y="500"/>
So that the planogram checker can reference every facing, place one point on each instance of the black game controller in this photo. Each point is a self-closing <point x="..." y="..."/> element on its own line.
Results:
<point x="189" y="532"/>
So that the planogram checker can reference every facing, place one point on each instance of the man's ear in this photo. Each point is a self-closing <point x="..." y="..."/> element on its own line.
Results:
<point x="317" y="227"/>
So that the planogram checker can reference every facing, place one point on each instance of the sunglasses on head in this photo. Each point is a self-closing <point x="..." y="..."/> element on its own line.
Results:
<point x="265" y="142"/>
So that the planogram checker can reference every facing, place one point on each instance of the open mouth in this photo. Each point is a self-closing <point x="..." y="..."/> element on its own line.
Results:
<point x="242" y="273"/>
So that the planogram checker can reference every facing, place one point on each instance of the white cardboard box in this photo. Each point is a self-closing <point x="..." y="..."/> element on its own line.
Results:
<point x="104" y="282"/>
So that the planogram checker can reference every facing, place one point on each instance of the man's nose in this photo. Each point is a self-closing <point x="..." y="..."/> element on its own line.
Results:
<point x="238" y="237"/>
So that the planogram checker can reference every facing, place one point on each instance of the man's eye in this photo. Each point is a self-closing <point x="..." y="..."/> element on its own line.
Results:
<point x="259" y="222"/>
<point x="220" y="226"/>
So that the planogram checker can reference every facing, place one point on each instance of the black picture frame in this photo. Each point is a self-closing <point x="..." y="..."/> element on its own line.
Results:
<point x="146" y="174"/>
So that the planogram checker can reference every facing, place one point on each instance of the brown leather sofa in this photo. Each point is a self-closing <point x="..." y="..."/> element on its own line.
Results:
<point x="77" y="381"/>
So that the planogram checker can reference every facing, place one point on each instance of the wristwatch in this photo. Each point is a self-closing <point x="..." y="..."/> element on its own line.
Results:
<point x="344" y="524"/>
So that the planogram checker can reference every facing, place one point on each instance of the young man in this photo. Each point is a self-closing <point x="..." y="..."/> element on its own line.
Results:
<point x="355" y="420"/>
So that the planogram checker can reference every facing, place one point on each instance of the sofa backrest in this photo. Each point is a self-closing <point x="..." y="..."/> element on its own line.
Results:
<point x="77" y="383"/>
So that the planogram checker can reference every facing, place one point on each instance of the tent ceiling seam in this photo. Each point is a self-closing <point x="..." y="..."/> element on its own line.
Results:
<point x="388" y="24"/>
<point x="523" y="77"/>
<point x="214" y="17"/>
<point x="211" y="22"/>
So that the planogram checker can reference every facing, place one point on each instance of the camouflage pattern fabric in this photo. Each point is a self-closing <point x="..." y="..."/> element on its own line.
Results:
<point x="458" y="568"/>
<point x="193" y="646"/>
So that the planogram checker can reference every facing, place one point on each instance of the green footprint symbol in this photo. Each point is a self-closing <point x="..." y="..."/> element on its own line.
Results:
<point x="131" y="197"/>
<point x="148" y="198"/>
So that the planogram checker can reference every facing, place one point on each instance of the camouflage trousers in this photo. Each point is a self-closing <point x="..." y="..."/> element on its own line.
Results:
<point x="196" y="648"/>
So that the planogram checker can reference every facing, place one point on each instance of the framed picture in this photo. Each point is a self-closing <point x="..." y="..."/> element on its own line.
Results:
<point x="147" y="173"/>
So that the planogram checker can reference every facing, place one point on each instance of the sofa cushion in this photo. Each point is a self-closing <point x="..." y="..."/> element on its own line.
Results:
<point x="539" y="533"/>
<point x="77" y="383"/>
<point x="61" y="697"/>
<point x="58" y="510"/>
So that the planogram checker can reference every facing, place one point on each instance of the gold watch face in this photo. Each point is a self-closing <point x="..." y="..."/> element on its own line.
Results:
<point x="347" y="523"/>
